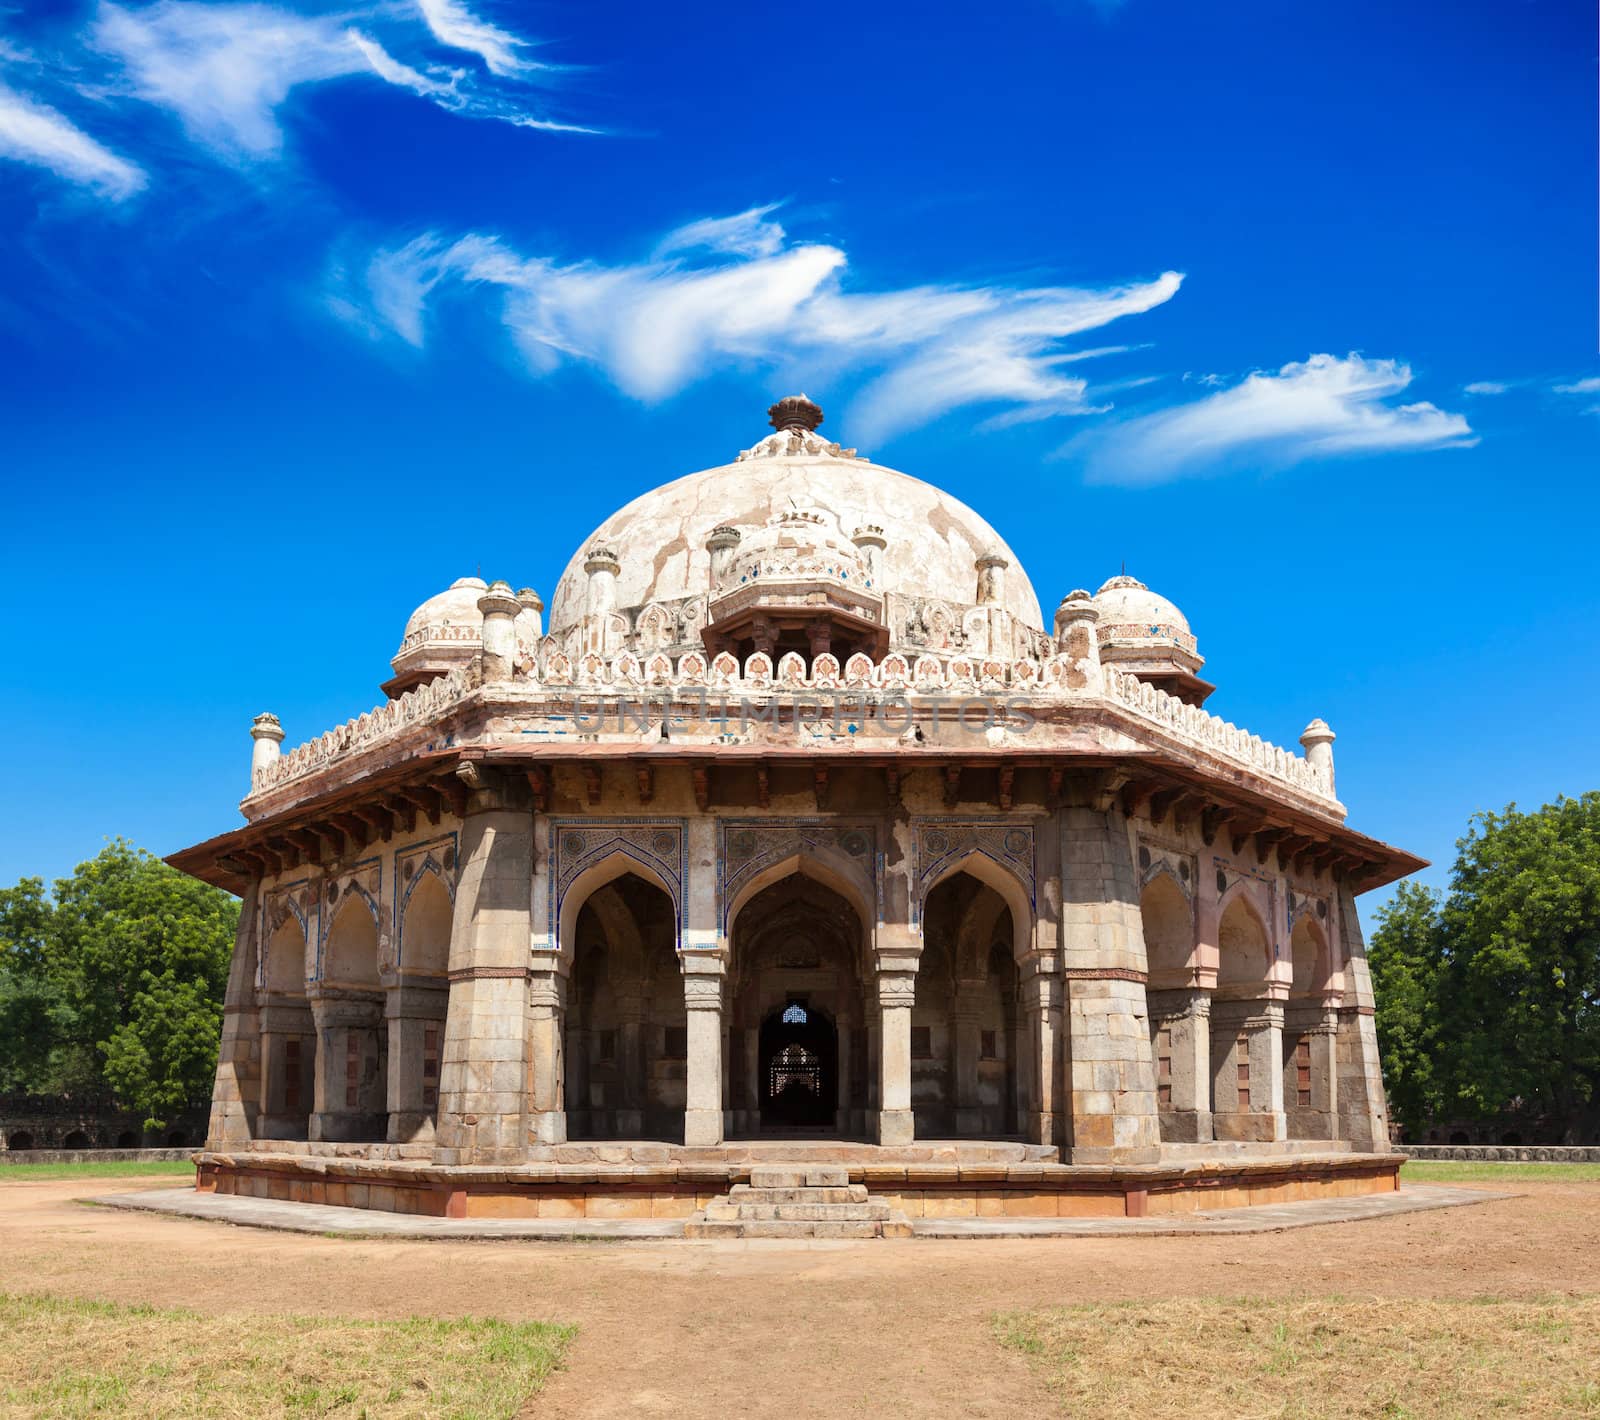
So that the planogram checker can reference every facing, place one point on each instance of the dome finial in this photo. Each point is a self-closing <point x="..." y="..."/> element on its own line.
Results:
<point x="794" y="411"/>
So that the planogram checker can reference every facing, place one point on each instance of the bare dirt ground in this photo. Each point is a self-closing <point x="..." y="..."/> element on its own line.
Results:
<point x="771" y="1329"/>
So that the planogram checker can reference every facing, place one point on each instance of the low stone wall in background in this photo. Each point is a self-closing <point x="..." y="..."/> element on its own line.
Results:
<point x="1505" y="1153"/>
<point x="95" y="1156"/>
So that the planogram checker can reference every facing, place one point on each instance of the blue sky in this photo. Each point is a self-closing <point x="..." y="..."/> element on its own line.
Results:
<point x="306" y="311"/>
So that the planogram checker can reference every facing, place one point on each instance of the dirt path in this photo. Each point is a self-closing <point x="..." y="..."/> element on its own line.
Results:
<point x="758" y="1330"/>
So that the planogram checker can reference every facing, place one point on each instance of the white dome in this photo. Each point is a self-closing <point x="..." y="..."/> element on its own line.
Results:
<point x="932" y="542"/>
<point x="444" y="632"/>
<point x="1136" y="612"/>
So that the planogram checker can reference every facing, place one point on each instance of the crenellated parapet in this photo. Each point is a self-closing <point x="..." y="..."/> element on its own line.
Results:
<point x="1043" y="686"/>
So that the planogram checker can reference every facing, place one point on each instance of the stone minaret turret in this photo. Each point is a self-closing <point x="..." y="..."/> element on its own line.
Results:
<point x="1317" y="741"/>
<point x="1077" y="642"/>
<point x="722" y="544"/>
<point x="499" y="606"/>
<point x="268" y="736"/>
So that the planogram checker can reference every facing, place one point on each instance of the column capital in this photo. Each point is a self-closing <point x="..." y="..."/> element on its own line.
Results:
<point x="702" y="993"/>
<point x="896" y="988"/>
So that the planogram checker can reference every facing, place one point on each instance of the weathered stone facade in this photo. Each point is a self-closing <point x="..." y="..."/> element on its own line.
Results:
<point x="792" y="828"/>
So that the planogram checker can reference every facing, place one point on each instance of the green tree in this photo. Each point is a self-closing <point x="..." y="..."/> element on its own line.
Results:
<point x="1406" y="956"/>
<point x="1521" y="995"/>
<point x="116" y="983"/>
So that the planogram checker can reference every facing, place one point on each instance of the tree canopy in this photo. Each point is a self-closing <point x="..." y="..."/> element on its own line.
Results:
<point x="1489" y="997"/>
<point x="112" y="985"/>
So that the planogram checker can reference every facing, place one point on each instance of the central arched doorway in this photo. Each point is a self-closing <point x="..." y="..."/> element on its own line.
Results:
<point x="799" y="1069"/>
<point x="801" y="1046"/>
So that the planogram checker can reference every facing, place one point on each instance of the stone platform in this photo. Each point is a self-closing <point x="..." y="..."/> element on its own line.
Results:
<point x="811" y="1201"/>
<point x="927" y="1179"/>
<point x="328" y="1221"/>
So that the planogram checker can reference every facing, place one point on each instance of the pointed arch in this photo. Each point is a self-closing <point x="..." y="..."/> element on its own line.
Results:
<point x="620" y="861"/>
<point x="1244" y="943"/>
<point x="831" y="870"/>
<point x="283" y="967"/>
<point x="1310" y="958"/>
<point x="350" y="954"/>
<point x="994" y="874"/>
<point x="1167" y="916"/>
<point x="425" y="926"/>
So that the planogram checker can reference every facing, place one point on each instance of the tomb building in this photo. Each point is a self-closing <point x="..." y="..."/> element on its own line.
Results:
<point x="799" y="834"/>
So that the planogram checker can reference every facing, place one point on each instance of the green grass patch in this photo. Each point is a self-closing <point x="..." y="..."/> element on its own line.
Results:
<point x="1456" y="1171"/>
<point x="75" y="1358"/>
<point x="1220" y="1359"/>
<point x="179" y="1167"/>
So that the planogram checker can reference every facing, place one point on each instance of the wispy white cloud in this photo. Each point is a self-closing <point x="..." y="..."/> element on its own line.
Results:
<point x="1318" y="408"/>
<point x="226" y="70"/>
<point x="737" y="290"/>
<point x="453" y="24"/>
<point x="36" y="134"/>
<point x="1486" y="387"/>
<point x="1590" y="385"/>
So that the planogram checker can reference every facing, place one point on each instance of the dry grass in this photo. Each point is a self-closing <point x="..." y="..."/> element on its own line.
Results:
<point x="73" y="1358"/>
<point x="1330" y="1356"/>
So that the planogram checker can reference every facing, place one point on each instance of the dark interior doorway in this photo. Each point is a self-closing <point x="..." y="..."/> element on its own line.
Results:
<point x="799" y="1069"/>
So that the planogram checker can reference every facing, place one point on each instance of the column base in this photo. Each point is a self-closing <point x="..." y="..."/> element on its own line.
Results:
<point x="339" y="1127"/>
<point x="702" y="1128"/>
<point x="411" y="1126"/>
<point x="548" y="1126"/>
<point x="896" y="1126"/>
<point x="1186" y="1126"/>
<point x="1253" y="1128"/>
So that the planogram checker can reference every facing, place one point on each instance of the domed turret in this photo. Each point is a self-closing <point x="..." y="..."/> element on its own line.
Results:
<point x="1144" y="634"/>
<point x="445" y="632"/>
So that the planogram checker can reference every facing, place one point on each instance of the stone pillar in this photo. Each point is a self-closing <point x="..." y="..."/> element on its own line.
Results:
<point x="966" y="1022"/>
<point x="870" y="543"/>
<point x="1180" y="1023"/>
<point x="991" y="569"/>
<point x="288" y="1070"/>
<point x="547" y="1052"/>
<point x="500" y="608"/>
<point x="600" y="598"/>
<point x="1247" y="1071"/>
<point x="266" y="735"/>
<point x="483" y="1076"/>
<point x="702" y="1001"/>
<point x="351" y="1098"/>
<point x="236" y="1097"/>
<point x="842" y="1103"/>
<point x="1040" y="989"/>
<point x="415" y="1009"/>
<point x="897" y="991"/>
<point x="750" y="1105"/>
<point x="1363" y="1108"/>
<point x="1112" y="1096"/>
<point x="1310" y="1069"/>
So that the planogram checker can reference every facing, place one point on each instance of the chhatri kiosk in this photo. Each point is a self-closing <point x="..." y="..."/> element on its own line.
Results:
<point x="798" y="838"/>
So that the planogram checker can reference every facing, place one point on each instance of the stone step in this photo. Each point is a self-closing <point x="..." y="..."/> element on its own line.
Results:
<point x="747" y="1193"/>
<point x="708" y="1228"/>
<point x="798" y="1212"/>
<point x="799" y="1176"/>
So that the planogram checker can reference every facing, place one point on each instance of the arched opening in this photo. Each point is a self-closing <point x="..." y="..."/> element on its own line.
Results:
<point x="19" y="1141"/>
<point x="76" y="1139"/>
<point x="1512" y="1138"/>
<point x="1168" y="933"/>
<point x="1459" y="1136"/>
<point x="799" y="1069"/>
<point x="965" y="1045"/>
<point x="177" y="1139"/>
<point x="797" y="953"/>
<point x="1176" y="1032"/>
<point x="417" y="1005"/>
<point x="288" y="1034"/>
<point x="1244" y="955"/>
<point x="127" y="1140"/>
<point x="626" y="1027"/>
<point x="352" y="1032"/>
<point x="1246" y="1048"/>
